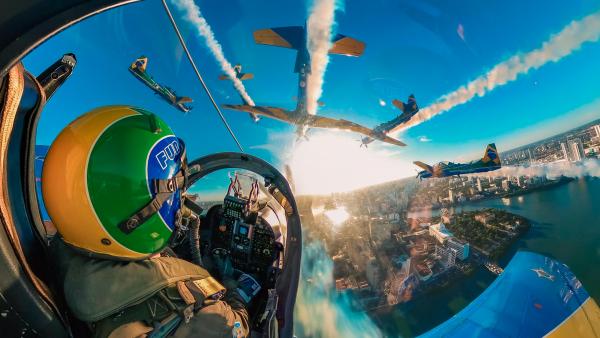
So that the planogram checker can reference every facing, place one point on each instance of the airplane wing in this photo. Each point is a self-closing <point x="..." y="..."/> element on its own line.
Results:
<point x="294" y="37"/>
<point x="423" y="165"/>
<point x="326" y="122"/>
<point x="272" y="112"/>
<point x="535" y="296"/>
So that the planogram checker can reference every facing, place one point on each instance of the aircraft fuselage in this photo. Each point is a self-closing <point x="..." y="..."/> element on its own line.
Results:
<point x="302" y="67"/>
<point x="161" y="91"/>
<point x="456" y="169"/>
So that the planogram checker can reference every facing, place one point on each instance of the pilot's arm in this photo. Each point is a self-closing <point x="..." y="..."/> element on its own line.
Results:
<point x="219" y="319"/>
<point x="227" y="317"/>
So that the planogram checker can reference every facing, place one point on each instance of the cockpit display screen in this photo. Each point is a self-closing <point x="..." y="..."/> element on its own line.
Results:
<point x="243" y="230"/>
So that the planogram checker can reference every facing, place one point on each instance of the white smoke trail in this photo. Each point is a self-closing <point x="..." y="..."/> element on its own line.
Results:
<point x="194" y="16"/>
<point x="320" y="25"/>
<point x="558" y="46"/>
<point x="586" y="168"/>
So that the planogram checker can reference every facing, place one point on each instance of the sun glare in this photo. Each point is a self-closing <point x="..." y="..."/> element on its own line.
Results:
<point x="333" y="162"/>
<point x="337" y="216"/>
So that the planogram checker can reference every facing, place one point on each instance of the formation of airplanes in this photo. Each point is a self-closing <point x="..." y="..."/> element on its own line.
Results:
<point x="138" y="69"/>
<point x="295" y="37"/>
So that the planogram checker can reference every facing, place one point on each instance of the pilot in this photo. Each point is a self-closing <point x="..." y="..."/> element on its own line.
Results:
<point x="114" y="186"/>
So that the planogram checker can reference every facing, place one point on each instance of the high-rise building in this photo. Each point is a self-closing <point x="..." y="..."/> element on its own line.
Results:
<point x="479" y="185"/>
<point x="506" y="184"/>
<point x="597" y="130"/>
<point x="520" y="181"/>
<point x="447" y="256"/>
<point x="565" y="153"/>
<point x="462" y="248"/>
<point x="577" y="153"/>
<point x="450" y="195"/>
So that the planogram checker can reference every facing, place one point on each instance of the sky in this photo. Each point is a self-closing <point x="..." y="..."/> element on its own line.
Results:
<point x="425" y="48"/>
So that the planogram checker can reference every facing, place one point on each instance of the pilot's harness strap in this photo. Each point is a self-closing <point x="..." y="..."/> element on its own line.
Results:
<point x="163" y="190"/>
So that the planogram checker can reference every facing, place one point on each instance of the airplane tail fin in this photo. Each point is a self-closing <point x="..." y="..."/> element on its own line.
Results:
<point x="183" y="99"/>
<point x="424" y="166"/>
<point x="294" y="37"/>
<point x="140" y="63"/>
<point x="398" y="104"/>
<point x="491" y="155"/>
<point x="286" y="37"/>
<point x="245" y="76"/>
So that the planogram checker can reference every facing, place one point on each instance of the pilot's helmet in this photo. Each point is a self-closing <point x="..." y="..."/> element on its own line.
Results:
<point x="113" y="181"/>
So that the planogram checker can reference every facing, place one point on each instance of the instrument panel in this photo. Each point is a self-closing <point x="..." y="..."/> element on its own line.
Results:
<point x="246" y="237"/>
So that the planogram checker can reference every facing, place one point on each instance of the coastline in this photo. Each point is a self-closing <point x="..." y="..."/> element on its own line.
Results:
<point x="551" y="184"/>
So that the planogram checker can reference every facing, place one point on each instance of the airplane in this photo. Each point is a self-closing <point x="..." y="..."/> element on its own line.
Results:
<point x="519" y="304"/>
<point x="541" y="273"/>
<point x="489" y="162"/>
<point x="295" y="37"/>
<point x="241" y="76"/>
<point x="138" y="69"/>
<point x="408" y="109"/>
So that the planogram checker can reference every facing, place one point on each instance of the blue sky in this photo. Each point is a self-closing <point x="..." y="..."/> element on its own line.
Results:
<point x="411" y="48"/>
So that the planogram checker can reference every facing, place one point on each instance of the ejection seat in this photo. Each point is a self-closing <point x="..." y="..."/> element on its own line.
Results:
<point x="30" y="303"/>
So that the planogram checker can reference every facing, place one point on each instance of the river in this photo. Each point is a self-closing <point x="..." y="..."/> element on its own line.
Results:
<point x="565" y="226"/>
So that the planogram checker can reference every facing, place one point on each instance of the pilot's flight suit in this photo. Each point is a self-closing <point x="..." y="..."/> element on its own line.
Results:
<point x="120" y="299"/>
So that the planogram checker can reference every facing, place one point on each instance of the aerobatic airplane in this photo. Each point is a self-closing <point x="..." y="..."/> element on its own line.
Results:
<point x="489" y="162"/>
<point x="409" y="109"/>
<point x="294" y="37"/>
<point x="138" y="69"/>
<point x="241" y="76"/>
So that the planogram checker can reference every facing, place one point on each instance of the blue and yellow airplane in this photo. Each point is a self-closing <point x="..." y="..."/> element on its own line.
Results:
<point x="409" y="109"/>
<point x="489" y="162"/>
<point x="241" y="76"/>
<point x="535" y="296"/>
<point x="295" y="37"/>
<point x="138" y="69"/>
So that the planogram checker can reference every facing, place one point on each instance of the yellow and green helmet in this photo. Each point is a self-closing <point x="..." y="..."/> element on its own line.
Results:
<point x="113" y="181"/>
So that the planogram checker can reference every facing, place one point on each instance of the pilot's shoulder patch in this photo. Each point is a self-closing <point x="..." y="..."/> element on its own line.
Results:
<point x="205" y="288"/>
